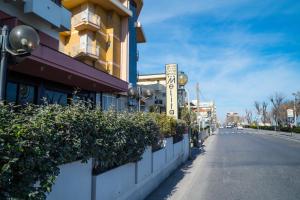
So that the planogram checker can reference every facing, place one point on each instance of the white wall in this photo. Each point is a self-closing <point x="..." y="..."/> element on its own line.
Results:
<point x="144" y="166"/>
<point x="178" y="149"/>
<point x="169" y="149"/>
<point x="114" y="183"/>
<point x="132" y="181"/>
<point x="159" y="159"/>
<point x="74" y="182"/>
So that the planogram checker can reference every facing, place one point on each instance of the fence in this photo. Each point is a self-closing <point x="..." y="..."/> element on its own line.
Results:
<point x="131" y="181"/>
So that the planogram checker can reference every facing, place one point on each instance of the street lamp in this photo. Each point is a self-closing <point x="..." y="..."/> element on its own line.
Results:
<point x="182" y="81"/>
<point x="139" y="93"/>
<point x="21" y="41"/>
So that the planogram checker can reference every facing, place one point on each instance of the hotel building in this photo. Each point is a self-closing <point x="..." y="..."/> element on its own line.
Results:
<point x="88" y="46"/>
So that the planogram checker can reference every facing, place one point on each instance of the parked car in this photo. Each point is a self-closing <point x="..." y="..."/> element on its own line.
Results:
<point x="240" y="128"/>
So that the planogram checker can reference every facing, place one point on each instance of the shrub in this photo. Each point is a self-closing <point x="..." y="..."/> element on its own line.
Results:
<point x="167" y="124"/>
<point x="35" y="140"/>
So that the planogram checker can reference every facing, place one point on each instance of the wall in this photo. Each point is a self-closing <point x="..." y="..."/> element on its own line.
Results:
<point x="132" y="181"/>
<point x="74" y="182"/>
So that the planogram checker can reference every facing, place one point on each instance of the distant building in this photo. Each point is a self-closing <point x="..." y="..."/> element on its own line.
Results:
<point x="157" y="83"/>
<point x="207" y="112"/>
<point x="233" y="118"/>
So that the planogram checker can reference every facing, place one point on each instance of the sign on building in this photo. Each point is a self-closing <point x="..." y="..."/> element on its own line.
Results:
<point x="290" y="113"/>
<point x="171" y="90"/>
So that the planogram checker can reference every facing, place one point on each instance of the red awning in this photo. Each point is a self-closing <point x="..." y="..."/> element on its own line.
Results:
<point x="55" y="66"/>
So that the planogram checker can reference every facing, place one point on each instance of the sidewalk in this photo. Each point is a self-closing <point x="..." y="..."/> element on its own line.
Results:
<point x="284" y="135"/>
<point x="177" y="184"/>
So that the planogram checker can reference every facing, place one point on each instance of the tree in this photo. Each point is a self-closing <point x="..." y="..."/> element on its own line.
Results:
<point x="264" y="112"/>
<point x="258" y="110"/>
<point x="297" y="103"/>
<point x="249" y="116"/>
<point x="188" y="116"/>
<point x="277" y="102"/>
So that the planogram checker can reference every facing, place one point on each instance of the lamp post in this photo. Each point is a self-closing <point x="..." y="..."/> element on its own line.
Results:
<point x="21" y="41"/>
<point x="139" y="93"/>
<point x="182" y="81"/>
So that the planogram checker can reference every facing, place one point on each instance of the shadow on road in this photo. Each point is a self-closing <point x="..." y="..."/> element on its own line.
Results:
<point x="169" y="186"/>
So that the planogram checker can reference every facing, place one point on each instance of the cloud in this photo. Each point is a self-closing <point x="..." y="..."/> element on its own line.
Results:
<point x="159" y="11"/>
<point x="236" y="62"/>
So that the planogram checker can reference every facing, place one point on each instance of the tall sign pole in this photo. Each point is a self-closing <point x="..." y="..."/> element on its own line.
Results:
<point x="172" y="90"/>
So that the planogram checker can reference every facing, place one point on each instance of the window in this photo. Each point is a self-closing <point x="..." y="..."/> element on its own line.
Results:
<point x="111" y="102"/>
<point x="26" y="94"/>
<point x="54" y="97"/>
<point x="20" y="93"/>
<point x="11" y="92"/>
<point x="87" y="98"/>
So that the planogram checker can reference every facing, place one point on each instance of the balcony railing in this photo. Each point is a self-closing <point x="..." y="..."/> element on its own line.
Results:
<point x="86" y="51"/>
<point x="87" y="20"/>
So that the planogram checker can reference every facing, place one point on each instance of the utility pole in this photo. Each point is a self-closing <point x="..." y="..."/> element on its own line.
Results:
<point x="198" y="105"/>
<point x="295" y="109"/>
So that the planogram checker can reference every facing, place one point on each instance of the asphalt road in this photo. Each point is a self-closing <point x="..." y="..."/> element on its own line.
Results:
<point x="236" y="165"/>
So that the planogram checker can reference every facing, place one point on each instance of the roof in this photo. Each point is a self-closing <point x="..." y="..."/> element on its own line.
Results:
<point x="55" y="66"/>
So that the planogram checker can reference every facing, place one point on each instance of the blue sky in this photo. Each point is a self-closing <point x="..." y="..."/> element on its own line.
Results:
<point x="238" y="50"/>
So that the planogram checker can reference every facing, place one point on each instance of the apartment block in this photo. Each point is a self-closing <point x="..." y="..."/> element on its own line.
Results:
<point x="55" y="75"/>
<point x="156" y="83"/>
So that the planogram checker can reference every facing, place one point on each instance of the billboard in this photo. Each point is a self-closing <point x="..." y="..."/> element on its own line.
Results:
<point x="171" y="90"/>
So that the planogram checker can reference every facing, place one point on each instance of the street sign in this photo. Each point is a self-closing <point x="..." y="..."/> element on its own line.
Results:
<point x="290" y="113"/>
<point x="171" y="90"/>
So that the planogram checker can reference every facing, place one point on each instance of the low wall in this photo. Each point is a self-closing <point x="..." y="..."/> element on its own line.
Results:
<point x="74" y="182"/>
<point x="132" y="181"/>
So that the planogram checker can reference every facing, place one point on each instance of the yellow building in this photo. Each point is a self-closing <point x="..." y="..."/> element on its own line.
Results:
<point x="104" y="34"/>
<point x="99" y="34"/>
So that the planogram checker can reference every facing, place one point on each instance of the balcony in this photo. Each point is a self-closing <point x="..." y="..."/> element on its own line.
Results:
<point x="113" y="5"/>
<point x="140" y="35"/>
<point x="89" y="52"/>
<point x="86" y="20"/>
<point x="51" y="11"/>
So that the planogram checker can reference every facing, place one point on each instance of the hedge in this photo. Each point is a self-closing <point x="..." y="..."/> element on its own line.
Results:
<point x="35" y="140"/>
<point x="272" y="128"/>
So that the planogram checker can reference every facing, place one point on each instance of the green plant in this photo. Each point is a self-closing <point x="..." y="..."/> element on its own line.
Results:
<point x="167" y="125"/>
<point x="36" y="140"/>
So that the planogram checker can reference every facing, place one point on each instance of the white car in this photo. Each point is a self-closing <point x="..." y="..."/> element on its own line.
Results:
<point x="240" y="128"/>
